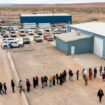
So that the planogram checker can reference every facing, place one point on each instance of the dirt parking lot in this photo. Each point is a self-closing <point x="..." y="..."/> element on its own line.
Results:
<point x="45" y="59"/>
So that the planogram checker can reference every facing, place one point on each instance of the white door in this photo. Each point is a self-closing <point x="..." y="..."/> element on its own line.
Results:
<point x="98" y="46"/>
<point x="72" y="50"/>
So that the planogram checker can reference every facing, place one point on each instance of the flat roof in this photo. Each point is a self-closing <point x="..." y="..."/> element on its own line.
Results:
<point x="72" y="36"/>
<point x="93" y="27"/>
<point x="44" y="15"/>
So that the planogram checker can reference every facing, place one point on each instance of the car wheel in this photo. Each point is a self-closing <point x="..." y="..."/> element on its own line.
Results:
<point x="20" y="46"/>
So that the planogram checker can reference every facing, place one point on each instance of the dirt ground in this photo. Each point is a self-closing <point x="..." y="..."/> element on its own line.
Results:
<point x="6" y="76"/>
<point x="88" y="11"/>
<point x="45" y="59"/>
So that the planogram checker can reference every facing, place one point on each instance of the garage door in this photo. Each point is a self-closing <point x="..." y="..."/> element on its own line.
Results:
<point x="98" y="46"/>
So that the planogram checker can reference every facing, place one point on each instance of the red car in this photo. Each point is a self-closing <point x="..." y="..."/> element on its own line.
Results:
<point x="48" y="37"/>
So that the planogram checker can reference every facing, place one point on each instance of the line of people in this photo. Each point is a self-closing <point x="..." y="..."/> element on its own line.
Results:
<point x="52" y="80"/>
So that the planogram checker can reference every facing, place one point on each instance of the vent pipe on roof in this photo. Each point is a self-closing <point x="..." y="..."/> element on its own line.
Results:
<point x="78" y="33"/>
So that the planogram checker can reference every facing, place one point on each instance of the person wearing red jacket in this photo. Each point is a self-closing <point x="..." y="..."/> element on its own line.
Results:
<point x="90" y="73"/>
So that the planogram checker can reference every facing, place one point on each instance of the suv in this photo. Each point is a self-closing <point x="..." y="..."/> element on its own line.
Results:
<point x="13" y="34"/>
<point x="16" y="44"/>
<point x="22" y="32"/>
<point x="26" y="40"/>
<point x="6" y="41"/>
<point x="37" y="38"/>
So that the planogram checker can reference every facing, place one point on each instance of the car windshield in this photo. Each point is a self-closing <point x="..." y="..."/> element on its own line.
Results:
<point x="37" y="36"/>
<point x="26" y="38"/>
<point x="12" y="32"/>
<point x="22" y="31"/>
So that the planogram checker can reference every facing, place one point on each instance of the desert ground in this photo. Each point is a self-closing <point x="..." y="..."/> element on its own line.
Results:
<point x="88" y="12"/>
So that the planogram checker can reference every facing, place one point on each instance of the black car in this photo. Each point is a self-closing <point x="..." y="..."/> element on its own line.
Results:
<point x="26" y="40"/>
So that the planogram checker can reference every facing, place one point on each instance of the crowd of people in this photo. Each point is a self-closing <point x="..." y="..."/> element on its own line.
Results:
<point x="57" y="79"/>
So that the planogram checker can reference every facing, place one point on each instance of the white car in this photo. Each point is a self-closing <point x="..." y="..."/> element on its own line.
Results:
<point x="22" y="32"/>
<point x="38" y="38"/>
<point x="16" y="44"/>
<point x="13" y="34"/>
<point x="30" y="32"/>
<point x="11" y="42"/>
<point x="5" y="44"/>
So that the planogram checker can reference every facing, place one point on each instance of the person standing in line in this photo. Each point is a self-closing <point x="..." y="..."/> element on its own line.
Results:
<point x="50" y="81"/>
<point x="85" y="76"/>
<point x="70" y="75"/>
<point x="104" y="69"/>
<point x="77" y="74"/>
<point x="45" y="80"/>
<point x="13" y="86"/>
<point x="42" y="81"/>
<point x="28" y="85"/>
<point x="53" y="80"/>
<point x="34" y="82"/>
<point x="20" y="86"/>
<point x="65" y="74"/>
<point x="95" y="72"/>
<point x="100" y="70"/>
<point x="1" y="89"/>
<point x="90" y="73"/>
<point x="57" y="78"/>
<point x="37" y="81"/>
<point x="100" y="94"/>
<point x="60" y="79"/>
<point x="5" y="88"/>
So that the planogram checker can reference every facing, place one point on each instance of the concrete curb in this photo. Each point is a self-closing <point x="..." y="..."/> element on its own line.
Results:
<point x="15" y="74"/>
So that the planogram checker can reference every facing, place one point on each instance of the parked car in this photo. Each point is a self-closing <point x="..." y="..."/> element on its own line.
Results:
<point x="38" y="38"/>
<point x="48" y="37"/>
<point x="13" y="33"/>
<point x="16" y="44"/>
<point x="2" y="32"/>
<point x="30" y="32"/>
<point x="5" y="44"/>
<point x="6" y="34"/>
<point x="26" y="40"/>
<point x="22" y="32"/>
<point x="10" y="43"/>
<point x="39" y="32"/>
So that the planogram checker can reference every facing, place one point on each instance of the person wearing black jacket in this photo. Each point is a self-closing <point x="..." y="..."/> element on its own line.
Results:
<point x="57" y="78"/>
<point x="34" y="82"/>
<point x="100" y="94"/>
<point x="65" y="74"/>
<point x="1" y="89"/>
<point x="95" y="72"/>
<point x="5" y="88"/>
<point x="13" y="86"/>
<point x="77" y="74"/>
<point x="28" y="85"/>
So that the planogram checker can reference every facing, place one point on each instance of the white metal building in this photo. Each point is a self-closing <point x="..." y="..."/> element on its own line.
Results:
<point x="97" y="31"/>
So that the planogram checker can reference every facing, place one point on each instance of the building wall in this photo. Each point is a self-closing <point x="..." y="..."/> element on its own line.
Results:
<point x="92" y="34"/>
<point x="45" y="19"/>
<point x="81" y="46"/>
<point x="62" y="46"/>
<point x="104" y="49"/>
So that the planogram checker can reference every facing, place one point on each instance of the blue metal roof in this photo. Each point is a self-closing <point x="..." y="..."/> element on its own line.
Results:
<point x="45" y="19"/>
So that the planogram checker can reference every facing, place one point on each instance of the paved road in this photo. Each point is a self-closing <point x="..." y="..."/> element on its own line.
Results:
<point x="6" y="76"/>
